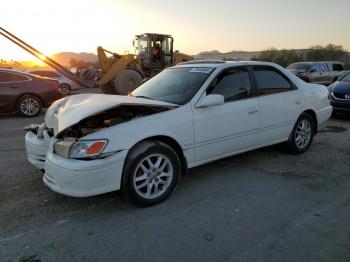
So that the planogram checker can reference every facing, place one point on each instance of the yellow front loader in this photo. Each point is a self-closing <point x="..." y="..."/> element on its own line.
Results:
<point x="121" y="74"/>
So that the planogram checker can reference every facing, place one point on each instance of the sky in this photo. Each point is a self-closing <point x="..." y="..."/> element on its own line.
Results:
<point x="81" y="25"/>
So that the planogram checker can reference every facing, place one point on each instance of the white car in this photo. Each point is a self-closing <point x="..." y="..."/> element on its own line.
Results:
<point x="66" y="85"/>
<point x="186" y="116"/>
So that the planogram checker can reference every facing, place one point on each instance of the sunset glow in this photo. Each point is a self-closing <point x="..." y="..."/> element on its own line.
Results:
<point x="81" y="26"/>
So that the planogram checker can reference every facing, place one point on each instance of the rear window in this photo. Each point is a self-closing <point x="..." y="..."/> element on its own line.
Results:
<point x="338" y="67"/>
<point x="270" y="81"/>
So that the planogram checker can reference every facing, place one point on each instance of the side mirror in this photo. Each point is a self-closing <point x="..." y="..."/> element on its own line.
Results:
<point x="211" y="100"/>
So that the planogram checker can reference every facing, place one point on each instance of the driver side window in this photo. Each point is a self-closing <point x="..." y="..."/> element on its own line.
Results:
<point x="233" y="84"/>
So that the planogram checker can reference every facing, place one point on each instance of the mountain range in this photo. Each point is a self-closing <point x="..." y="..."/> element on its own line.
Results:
<point x="65" y="57"/>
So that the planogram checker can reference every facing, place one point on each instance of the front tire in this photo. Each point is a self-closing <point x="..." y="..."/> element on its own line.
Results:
<point x="151" y="173"/>
<point x="302" y="135"/>
<point x="126" y="81"/>
<point x="29" y="105"/>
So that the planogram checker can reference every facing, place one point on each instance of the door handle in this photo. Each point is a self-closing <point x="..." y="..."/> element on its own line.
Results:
<point x="13" y="86"/>
<point x="298" y="100"/>
<point x="252" y="111"/>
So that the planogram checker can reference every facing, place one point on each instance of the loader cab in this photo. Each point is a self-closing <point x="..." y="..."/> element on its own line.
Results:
<point x="146" y="46"/>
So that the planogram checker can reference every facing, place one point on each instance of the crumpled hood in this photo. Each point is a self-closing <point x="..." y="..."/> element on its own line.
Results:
<point x="70" y="110"/>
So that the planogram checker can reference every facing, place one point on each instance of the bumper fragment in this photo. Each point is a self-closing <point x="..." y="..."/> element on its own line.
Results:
<point x="36" y="149"/>
<point x="79" y="178"/>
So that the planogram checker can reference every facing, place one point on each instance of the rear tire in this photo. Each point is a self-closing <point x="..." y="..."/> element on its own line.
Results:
<point x="126" y="81"/>
<point x="64" y="89"/>
<point x="29" y="105"/>
<point x="302" y="135"/>
<point x="151" y="172"/>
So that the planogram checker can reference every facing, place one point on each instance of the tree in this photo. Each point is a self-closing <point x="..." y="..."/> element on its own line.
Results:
<point x="282" y="57"/>
<point x="328" y="53"/>
<point x="285" y="57"/>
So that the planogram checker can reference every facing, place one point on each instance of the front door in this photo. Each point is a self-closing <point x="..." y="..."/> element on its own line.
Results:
<point x="319" y="74"/>
<point x="231" y="127"/>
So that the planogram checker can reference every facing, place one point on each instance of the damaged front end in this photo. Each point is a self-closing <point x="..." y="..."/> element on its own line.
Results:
<point x="64" y="132"/>
<point x="71" y="143"/>
<point x="109" y="118"/>
<point x="37" y="142"/>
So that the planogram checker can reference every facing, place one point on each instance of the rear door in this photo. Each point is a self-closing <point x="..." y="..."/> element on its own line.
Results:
<point x="281" y="103"/>
<point x="336" y="70"/>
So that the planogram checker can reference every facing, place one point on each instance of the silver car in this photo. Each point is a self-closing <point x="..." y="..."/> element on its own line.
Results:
<point x="66" y="85"/>
<point x="324" y="73"/>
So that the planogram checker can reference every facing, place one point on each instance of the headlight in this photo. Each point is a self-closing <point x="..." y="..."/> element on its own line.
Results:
<point x="79" y="149"/>
<point x="87" y="148"/>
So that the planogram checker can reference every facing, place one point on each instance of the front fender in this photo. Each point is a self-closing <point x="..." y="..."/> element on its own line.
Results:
<point x="176" y="124"/>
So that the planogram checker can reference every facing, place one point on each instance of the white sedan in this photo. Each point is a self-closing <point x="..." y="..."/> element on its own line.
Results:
<point x="186" y="116"/>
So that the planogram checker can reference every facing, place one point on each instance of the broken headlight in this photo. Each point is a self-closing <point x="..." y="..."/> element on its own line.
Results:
<point x="80" y="149"/>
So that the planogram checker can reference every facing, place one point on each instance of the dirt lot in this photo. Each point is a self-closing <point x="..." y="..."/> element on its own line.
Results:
<point x="265" y="205"/>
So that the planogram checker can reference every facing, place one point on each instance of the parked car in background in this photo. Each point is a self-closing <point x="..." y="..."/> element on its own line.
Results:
<point x="323" y="73"/>
<point x="186" y="116"/>
<point x="66" y="85"/>
<point x="340" y="94"/>
<point x="26" y="93"/>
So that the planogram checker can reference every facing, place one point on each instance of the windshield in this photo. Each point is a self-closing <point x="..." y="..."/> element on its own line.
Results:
<point x="346" y="78"/>
<point x="299" y="66"/>
<point x="174" y="85"/>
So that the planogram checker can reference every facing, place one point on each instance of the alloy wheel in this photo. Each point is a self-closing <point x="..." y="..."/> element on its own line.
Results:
<point x="303" y="134"/>
<point x="29" y="106"/>
<point x="153" y="176"/>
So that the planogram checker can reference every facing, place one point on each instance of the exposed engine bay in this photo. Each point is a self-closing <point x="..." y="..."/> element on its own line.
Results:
<point x="108" y="118"/>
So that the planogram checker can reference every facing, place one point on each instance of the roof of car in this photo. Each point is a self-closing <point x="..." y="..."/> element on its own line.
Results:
<point x="155" y="34"/>
<point x="220" y="63"/>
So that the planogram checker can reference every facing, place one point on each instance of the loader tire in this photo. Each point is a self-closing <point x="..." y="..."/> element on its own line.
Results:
<point x="126" y="81"/>
<point x="108" y="89"/>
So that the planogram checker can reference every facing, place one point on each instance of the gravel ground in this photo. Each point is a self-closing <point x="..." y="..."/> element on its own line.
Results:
<point x="265" y="205"/>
